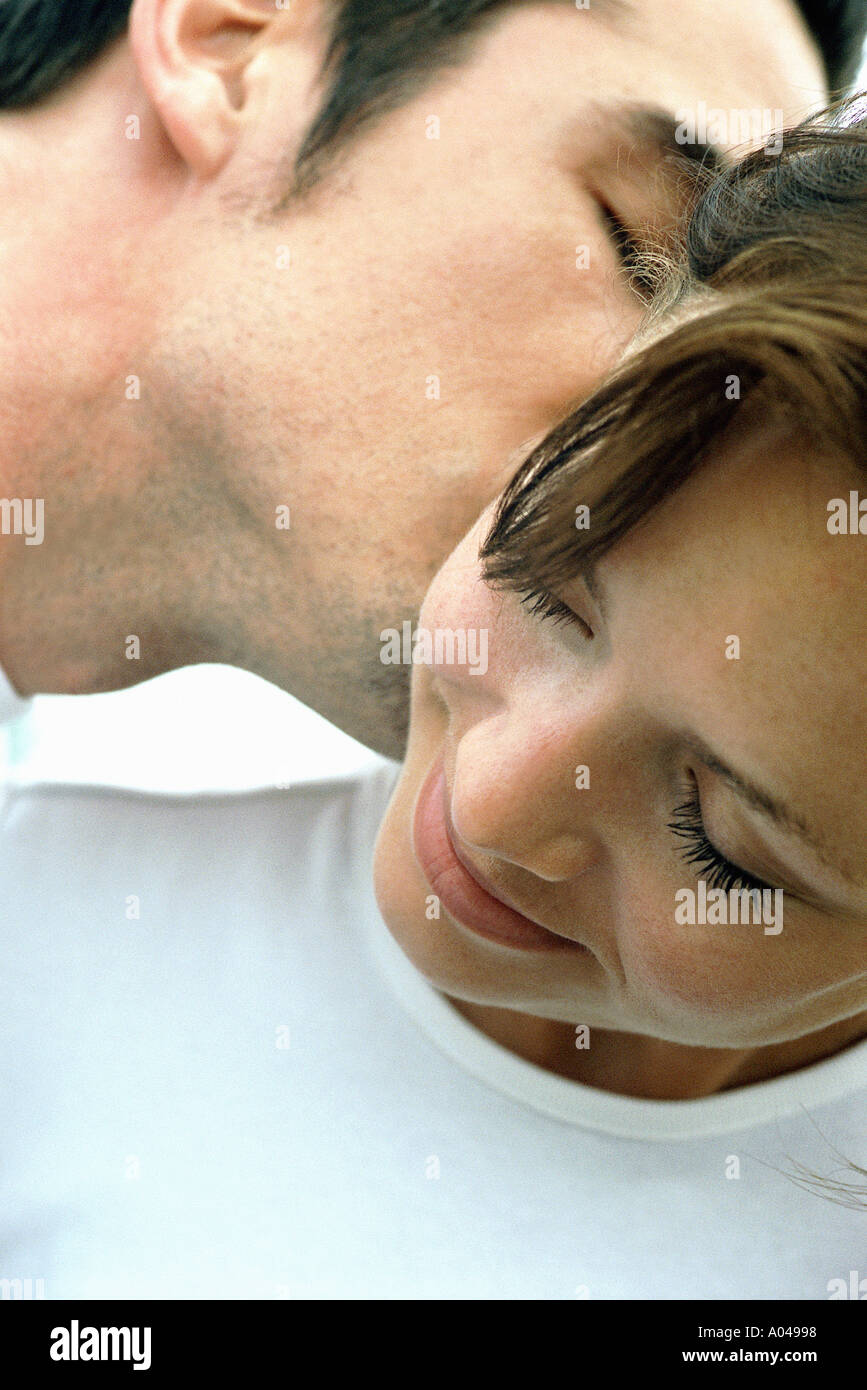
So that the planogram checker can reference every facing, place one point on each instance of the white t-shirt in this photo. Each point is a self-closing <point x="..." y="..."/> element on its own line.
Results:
<point x="220" y="1078"/>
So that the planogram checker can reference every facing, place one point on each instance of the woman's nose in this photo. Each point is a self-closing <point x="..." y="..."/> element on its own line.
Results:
<point x="528" y="794"/>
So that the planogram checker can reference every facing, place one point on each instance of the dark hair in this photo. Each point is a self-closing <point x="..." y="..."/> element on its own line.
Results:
<point x="380" y="52"/>
<point x="45" y="42"/>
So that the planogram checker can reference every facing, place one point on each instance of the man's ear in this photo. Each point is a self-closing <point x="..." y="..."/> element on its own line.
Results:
<point x="200" y="59"/>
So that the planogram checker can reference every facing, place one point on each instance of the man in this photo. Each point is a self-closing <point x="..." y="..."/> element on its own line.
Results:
<point x="285" y="286"/>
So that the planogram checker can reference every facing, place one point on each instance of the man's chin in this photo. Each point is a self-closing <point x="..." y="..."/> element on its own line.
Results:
<point x="376" y="712"/>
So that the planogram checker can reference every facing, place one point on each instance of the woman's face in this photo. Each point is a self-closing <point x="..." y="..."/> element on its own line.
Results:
<point x="724" y="639"/>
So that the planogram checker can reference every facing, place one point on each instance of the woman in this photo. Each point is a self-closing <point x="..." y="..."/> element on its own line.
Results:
<point x="633" y="850"/>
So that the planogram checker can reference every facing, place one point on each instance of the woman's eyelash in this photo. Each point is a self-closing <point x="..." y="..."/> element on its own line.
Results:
<point x="705" y="858"/>
<point x="544" y="605"/>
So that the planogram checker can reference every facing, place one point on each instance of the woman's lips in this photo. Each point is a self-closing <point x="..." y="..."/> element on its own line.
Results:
<point x="461" y="894"/>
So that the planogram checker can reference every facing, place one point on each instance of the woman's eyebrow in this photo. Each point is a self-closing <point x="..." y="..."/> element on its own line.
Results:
<point x="759" y="799"/>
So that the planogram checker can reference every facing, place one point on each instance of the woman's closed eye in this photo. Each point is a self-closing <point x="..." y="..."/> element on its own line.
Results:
<point x="706" y="860"/>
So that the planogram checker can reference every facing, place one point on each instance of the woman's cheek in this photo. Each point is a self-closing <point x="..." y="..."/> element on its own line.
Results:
<point x="727" y="985"/>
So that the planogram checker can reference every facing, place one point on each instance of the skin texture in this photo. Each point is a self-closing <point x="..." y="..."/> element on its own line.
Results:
<point x="268" y="380"/>
<point x="675" y="1011"/>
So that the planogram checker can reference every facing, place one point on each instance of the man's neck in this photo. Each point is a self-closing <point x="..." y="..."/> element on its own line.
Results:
<point x="112" y="593"/>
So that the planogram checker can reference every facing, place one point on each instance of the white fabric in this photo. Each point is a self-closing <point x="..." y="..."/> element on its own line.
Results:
<point x="202" y="728"/>
<point x="628" y="1118"/>
<point x="239" y="1093"/>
